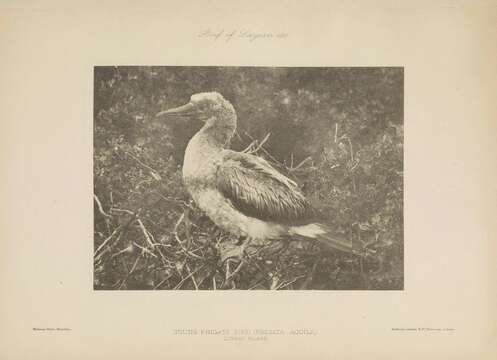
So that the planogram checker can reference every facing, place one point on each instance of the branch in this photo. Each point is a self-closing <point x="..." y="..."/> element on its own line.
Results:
<point x="265" y="151"/>
<point x="122" y="210"/>
<point x="193" y="277"/>
<point x="162" y="282"/>
<point x="288" y="283"/>
<point x="176" y="237"/>
<point x="130" y="272"/>
<point x="144" y="250"/>
<point x="107" y="240"/>
<point x="146" y="233"/>
<point x="188" y="276"/>
<point x="100" y="208"/>
<point x="231" y="275"/>
<point x="300" y="164"/>
<point x="153" y="172"/>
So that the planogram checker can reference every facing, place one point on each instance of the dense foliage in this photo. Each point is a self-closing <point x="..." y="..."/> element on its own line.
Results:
<point x="337" y="131"/>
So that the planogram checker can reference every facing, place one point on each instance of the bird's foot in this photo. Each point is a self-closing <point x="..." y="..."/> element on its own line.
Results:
<point x="229" y="250"/>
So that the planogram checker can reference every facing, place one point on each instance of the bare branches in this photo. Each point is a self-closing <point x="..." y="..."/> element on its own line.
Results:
<point x="261" y="148"/>
<point x="106" y="244"/>
<point x="255" y="145"/>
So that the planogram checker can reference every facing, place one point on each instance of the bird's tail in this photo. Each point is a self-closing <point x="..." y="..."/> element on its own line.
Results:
<point x="324" y="235"/>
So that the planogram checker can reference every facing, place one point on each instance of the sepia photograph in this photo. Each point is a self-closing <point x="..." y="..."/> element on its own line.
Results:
<point x="248" y="178"/>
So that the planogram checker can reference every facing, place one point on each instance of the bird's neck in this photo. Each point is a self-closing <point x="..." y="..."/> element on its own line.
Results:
<point x="209" y="141"/>
<point x="218" y="130"/>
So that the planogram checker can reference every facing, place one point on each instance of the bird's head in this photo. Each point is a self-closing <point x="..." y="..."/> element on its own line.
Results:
<point x="203" y="106"/>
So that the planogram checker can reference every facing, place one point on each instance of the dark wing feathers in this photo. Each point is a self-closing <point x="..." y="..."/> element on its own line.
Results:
<point x="258" y="190"/>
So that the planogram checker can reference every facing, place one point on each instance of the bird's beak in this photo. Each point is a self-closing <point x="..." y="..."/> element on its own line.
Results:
<point x="185" y="110"/>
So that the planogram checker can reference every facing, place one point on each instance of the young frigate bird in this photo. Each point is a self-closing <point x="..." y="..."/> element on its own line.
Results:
<point x="242" y="193"/>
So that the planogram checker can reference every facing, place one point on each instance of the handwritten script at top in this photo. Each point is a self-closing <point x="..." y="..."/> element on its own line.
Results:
<point x="230" y="35"/>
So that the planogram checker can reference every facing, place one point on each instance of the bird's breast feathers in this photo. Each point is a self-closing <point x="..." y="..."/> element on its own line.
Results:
<point x="223" y="214"/>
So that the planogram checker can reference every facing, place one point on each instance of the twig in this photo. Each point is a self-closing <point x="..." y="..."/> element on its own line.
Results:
<point x="247" y="149"/>
<point x="107" y="249"/>
<point x="261" y="143"/>
<point x="145" y="250"/>
<point x="238" y="268"/>
<point x="205" y="278"/>
<point x="250" y="148"/>
<point x="189" y="253"/>
<point x="175" y="200"/>
<point x="162" y="282"/>
<point x="125" y="250"/>
<point x="187" y="222"/>
<point x="188" y="276"/>
<point x="175" y="230"/>
<point x="122" y="210"/>
<point x="146" y="233"/>
<point x="288" y="283"/>
<point x="107" y="240"/>
<point x="176" y="237"/>
<point x="238" y="136"/>
<point x="265" y="151"/>
<point x="300" y="164"/>
<point x="165" y="261"/>
<point x="122" y="229"/>
<point x="274" y="283"/>
<point x="153" y="172"/>
<point x="130" y="272"/>
<point x="100" y="208"/>
<point x="193" y="277"/>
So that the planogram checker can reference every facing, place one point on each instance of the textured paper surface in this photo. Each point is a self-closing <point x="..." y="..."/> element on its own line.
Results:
<point x="448" y="307"/>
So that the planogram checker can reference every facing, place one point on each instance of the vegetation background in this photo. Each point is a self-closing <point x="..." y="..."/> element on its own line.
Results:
<point x="337" y="131"/>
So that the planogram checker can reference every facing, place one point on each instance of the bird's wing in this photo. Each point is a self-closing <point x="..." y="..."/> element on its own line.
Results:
<point x="258" y="190"/>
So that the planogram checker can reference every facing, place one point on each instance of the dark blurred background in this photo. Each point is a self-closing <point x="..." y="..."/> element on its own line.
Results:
<point x="337" y="131"/>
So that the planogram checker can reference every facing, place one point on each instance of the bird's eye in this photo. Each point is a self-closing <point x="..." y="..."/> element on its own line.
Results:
<point x="203" y="106"/>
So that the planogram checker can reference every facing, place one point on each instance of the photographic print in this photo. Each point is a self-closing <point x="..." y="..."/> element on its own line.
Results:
<point x="248" y="178"/>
